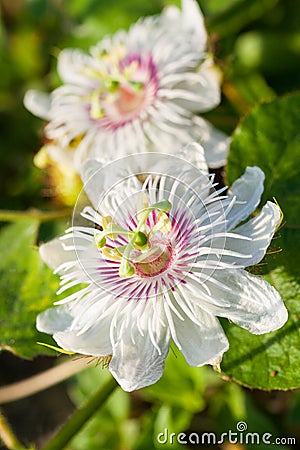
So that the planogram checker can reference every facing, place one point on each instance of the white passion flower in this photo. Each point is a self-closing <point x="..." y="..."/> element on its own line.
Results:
<point x="138" y="90"/>
<point x="161" y="257"/>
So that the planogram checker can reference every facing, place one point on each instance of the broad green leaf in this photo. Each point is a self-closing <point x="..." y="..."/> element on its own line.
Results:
<point x="27" y="287"/>
<point x="269" y="137"/>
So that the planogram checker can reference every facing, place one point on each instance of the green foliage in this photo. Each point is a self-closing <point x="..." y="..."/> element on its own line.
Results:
<point x="27" y="287"/>
<point x="269" y="137"/>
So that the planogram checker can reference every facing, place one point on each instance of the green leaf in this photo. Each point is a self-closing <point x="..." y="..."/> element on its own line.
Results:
<point x="269" y="137"/>
<point x="27" y="287"/>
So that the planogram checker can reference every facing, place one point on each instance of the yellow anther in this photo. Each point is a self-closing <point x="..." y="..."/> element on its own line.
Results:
<point x="112" y="253"/>
<point x="142" y="202"/>
<point x="106" y="221"/>
<point x="97" y="111"/>
<point x="93" y="73"/>
<point x="163" y="223"/>
<point x="163" y="206"/>
<point x="130" y="69"/>
<point x="115" y="55"/>
<point x="108" y="225"/>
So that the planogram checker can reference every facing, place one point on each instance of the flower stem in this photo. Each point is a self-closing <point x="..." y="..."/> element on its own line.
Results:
<point x="42" y="216"/>
<point x="7" y="435"/>
<point x="44" y="380"/>
<point x="81" y="416"/>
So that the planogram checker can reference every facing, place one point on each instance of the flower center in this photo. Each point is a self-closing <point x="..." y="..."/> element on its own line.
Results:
<point x="155" y="262"/>
<point x="148" y="251"/>
<point x="127" y="84"/>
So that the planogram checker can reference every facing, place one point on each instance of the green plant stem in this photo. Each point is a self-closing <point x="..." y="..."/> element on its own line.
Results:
<point x="81" y="416"/>
<point x="42" y="216"/>
<point x="7" y="435"/>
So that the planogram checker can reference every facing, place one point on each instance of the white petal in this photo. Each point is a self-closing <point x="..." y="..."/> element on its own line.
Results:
<point x="85" y="147"/>
<point x="136" y="362"/>
<point x="53" y="320"/>
<point x="54" y="254"/>
<point x="38" y="103"/>
<point x="71" y="65"/>
<point x="190" y="20"/>
<point x="94" y="342"/>
<point x="260" y="230"/>
<point x="198" y="91"/>
<point x="78" y="326"/>
<point x="194" y="22"/>
<point x="99" y="178"/>
<point x="248" y="190"/>
<point x="254" y="304"/>
<point x="194" y="154"/>
<point x="215" y="143"/>
<point x="138" y="365"/>
<point x="210" y="81"/>
<point x="202" y="343"/>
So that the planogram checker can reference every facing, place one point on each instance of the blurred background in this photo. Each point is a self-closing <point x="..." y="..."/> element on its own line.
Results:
<point x="256" y="44"/>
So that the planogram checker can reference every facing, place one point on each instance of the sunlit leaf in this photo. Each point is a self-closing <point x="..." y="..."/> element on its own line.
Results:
<point x="27" y="287"/>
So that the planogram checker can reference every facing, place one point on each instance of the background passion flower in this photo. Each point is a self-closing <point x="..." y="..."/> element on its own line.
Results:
<point x="140" y="90"/>
<point x="162" y="255"/>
